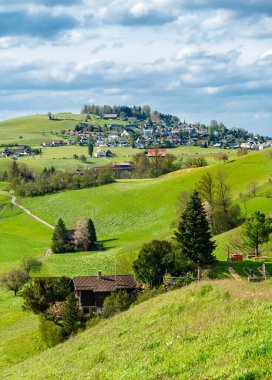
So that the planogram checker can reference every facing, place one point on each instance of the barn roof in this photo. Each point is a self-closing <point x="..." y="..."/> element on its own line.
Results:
<point x="105" y="283"/>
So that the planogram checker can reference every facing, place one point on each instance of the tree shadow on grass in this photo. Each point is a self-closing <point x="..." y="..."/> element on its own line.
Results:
<point x="108" y="247"/>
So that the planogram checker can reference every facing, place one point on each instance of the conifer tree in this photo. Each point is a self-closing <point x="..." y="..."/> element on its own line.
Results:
<point x="193" y="233"/>
<point x="72" y="315"/>
<point x="92" y="232"/>
<point x="60" y="237"/>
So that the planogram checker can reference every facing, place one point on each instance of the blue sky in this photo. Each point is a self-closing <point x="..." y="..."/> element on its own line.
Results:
<point x="198" y="59"/>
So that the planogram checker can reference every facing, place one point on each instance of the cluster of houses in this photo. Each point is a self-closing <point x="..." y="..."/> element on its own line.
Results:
<point x="19" y="151"/>
<point x="165" y="134"/>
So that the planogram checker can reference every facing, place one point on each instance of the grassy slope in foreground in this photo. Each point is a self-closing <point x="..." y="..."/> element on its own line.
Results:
<point x="19" y="335"/>
<point x="208" y="330"/>
<point x="129" y="213"/>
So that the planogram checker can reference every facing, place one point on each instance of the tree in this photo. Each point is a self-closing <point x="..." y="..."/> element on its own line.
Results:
<point x="14" y="280"/>
<point x="242" y="152"/>
<point x="257" y="230"/>
<point x="222" y="203"/>
<point x="71" y="315"/>
<point x="60" y="238"/>
<point x="193" y="233"/>
<point x="92" y="232"/>
<point x="156" y="258"/>
<point x="115" y="303"/>
<point x="82" y="234"/>
<point x="90" y="148"/>
<point x="41" y="293"/>
<point x="221" y="156"/>
<point x="14" y="171"/>
<point x="206" y="189"/>
<point x="29" y="264"/>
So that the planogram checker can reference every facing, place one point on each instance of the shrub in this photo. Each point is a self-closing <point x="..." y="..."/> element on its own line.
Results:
<point x="115" y="303"/>
<point x="51" y="333"/>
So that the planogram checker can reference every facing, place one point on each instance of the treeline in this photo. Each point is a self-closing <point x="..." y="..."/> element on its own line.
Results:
<point x="154" y="166"/>
<point x="123" y="112"/>
<point x="141" y="113"/>
<point x="25" y="184"/>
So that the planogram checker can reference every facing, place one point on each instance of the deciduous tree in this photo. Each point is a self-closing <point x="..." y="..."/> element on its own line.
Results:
<point x="257" y="230"/>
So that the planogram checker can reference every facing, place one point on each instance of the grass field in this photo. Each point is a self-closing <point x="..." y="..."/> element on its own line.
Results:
<point x="211" y="330"/>
<point x="20" y="236"/>
<point x="128" y="213"/>
<point x="19" y="335"/>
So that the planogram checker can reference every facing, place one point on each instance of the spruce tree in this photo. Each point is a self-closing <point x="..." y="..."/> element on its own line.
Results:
<point x="92" y="232"/>
<point x="72" y="315"/>
<point x="60" y="237"/>
<point x="193" y="233"/>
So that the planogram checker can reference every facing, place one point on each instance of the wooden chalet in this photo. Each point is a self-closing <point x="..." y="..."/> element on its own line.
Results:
<point x="92" y="290"/>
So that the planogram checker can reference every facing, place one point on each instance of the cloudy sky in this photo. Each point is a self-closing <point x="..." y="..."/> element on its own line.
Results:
<point x="198" y="59"/>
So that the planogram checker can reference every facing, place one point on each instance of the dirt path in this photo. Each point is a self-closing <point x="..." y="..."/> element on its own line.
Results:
<point x="15" y="203"/>
<point x="47" y="254"/>
<point x="234" y="274"/>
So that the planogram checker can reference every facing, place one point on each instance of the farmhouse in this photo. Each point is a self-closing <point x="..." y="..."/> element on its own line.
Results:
<point x="92" y="290"/>
<point x="110" y="116"/>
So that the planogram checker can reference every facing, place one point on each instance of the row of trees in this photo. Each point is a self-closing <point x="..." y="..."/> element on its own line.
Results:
<point x="50" y="180"/>
<point x="83" y="237"/>
<point x="154" y="166"/>
<point x="121" y="111"/>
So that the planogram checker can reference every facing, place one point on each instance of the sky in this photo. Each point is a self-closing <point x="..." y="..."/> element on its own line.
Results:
<point x="201" y="60"/>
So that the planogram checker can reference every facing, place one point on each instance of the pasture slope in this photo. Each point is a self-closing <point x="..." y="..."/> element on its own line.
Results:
<point x="208" y="330"/>
<point x="130" y="212"/>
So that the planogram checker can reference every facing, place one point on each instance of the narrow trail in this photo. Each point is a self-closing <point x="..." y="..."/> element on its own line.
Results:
<point x="47" y="254"/>
<point x="234" y="274"/>
<point x="15" y="203"/>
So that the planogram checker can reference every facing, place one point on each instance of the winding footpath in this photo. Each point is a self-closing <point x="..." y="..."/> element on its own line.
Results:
<point x="15" y="203"/>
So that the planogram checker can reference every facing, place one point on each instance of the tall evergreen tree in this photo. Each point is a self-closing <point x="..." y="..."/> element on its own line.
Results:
<point x="92" y="232"/>
<point x="60" y="237"/>
<point x="72" y="315"/>
<point x="90" y="148"/>
<point x="193" y="233"/>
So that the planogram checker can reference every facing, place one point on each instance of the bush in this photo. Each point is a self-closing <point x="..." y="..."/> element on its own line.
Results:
<point x="51" y="333"/>
<point x="115" y="303"/>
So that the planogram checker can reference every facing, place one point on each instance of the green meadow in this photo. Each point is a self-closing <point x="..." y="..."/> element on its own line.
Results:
<point x="130" y="212"/>
<point x="208" y="330"/>
<point x="20" y="236"/>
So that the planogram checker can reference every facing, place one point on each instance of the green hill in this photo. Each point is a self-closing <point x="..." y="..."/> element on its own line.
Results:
<point x="210" y="330"/>
<point x="130" y="212"/>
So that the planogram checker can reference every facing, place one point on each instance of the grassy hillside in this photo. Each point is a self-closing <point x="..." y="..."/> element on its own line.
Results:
<point x="128" y="213"/>
<point x="20" y="235"/>
<point x="19" y="335"/>
<point x="219" y="330"/>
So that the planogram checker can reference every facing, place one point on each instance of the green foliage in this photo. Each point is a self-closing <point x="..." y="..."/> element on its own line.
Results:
<point x="106" y="175"/>
<point x="29" y="264"/>
<point x="14" y="280"/>
<point x="257" y="230"/>
<point x="155" y="259"/>
<point x="60" y="238"/>
<point x="52" y="334"/>
<point x="193" y="233"/>
<point x="90" y="149"/>
<point x="40" y="293"/>
<point x="115" y="303"/>
<point x="184" y="280"/>
<point x="196" y="162"/>
<point x="72" y="315"/>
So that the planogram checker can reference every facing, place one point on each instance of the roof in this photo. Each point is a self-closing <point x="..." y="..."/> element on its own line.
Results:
<point x="106" y="283"/>
<point x="154" y="152"/>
